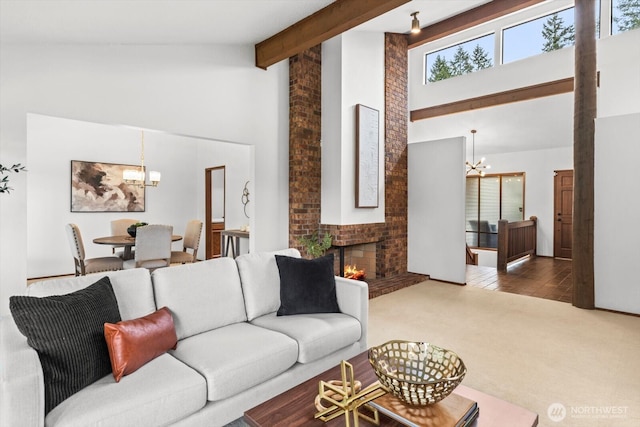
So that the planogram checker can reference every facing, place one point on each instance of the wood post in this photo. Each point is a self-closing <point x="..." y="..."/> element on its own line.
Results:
<point x="503" y="244"/>
<point x="584" y="115"/>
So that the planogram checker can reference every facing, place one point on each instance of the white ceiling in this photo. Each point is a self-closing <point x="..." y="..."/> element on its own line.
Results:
<point x="249" y="22"/>
<point x="185" y="21"/>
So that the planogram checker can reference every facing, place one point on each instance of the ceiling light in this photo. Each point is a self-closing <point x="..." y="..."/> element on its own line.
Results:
<point x="473" y="165"/>
<point x="137" y="176"/>
<point x="415" y="24"/>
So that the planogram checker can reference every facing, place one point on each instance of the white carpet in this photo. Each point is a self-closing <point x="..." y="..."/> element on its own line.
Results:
<point x="529" y="351"/>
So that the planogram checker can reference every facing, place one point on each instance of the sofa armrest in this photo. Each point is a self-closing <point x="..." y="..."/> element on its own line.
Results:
<point x="21" y="379"/>
<point x="353" y="299"/>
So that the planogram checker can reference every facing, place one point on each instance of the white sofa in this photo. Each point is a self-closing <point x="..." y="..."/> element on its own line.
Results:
<point x="233" y="351"/>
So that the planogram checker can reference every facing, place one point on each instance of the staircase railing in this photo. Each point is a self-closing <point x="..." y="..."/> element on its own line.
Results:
<point x="472" y="257"/>
<point x="516" y="240"/>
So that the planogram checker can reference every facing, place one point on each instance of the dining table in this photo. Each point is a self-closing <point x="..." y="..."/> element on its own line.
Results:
<point x="127" y="242"/>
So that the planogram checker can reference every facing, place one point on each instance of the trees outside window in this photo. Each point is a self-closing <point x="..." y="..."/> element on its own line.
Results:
<point x="557" y="34"/>
<point x="626" y="15"/>
<point x="544" y="34"/>
<point x="460" y="59"/>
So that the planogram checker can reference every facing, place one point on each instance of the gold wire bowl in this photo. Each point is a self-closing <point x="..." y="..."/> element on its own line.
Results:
<point x="417" y="373"/>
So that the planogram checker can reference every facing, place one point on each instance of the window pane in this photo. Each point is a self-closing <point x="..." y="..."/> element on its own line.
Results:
<point x="513" y="198"/>
<point x="459" y="59"/>
<point x="471" y="203"/>
<point x="489" y="211"/>
<point x="626" y="15"/>
<point x="544" y="34"/>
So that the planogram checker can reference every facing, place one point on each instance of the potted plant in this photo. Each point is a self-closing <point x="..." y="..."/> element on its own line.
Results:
<point x="315" y="246"/>
<point x="133" y="227"/>
<point x="4" y="181"/>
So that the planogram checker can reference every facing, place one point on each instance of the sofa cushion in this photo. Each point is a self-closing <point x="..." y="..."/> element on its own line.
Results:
<point x="160" y="393"/>
<point x="132" y="288"/>
<point x="261" y="281"/>
<point x="237" y="357"/>
<point x="132" y="343"/>
<point x="67" y="332"/>
<point x="307" y="285"/>
<point x="202" y="296"/>
<point x="317" y="334"/>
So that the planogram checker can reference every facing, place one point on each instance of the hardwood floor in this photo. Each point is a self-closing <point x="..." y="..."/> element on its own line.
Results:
<point x="541" y="277"/>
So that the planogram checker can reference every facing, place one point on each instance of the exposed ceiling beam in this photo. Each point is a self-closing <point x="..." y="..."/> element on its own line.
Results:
<point x="555" y="87"/>
<point x="334" y="19"/>
<point x="476" y="16"/>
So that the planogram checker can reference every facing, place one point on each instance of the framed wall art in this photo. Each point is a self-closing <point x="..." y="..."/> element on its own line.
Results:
<point x="99" y="187"/>
<point x="367" y="157"/>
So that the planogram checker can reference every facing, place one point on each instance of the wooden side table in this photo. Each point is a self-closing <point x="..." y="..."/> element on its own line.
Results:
<point x="231" y="239"/>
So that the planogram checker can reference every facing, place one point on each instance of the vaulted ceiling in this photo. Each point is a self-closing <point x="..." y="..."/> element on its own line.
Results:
<point x="248" y="22"/>
<point x="186" y="21"/>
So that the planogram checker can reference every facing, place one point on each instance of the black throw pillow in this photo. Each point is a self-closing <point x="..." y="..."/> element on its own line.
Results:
<point x="67" y="331"/>
<point x="307" y="286"/>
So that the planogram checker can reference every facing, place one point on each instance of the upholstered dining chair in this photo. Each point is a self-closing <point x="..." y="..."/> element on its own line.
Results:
<point x="119" y="228"/>
<point x="91" y="265"/>
<point x="153" y="247"/>
<point x="191" y="242"/>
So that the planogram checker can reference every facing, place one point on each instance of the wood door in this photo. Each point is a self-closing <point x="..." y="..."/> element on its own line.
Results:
<point x="563" y="207"/>
<point x="214" y="209"/>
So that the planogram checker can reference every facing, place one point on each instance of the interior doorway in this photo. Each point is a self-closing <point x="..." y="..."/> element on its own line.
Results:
<point x="215" y="196"/>
<point x="563" y="207"/>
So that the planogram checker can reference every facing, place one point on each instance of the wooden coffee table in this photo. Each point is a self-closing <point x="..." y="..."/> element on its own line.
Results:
<point x="295" y="407"/>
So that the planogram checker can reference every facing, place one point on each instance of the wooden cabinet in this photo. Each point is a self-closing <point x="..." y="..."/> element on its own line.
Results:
<point x="214" y="233"/>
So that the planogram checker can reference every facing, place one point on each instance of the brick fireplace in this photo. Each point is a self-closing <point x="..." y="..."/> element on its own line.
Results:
<point x="386" y="243"/>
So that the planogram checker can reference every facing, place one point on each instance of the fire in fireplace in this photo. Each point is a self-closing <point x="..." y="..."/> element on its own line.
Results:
<point x="352" y="272"/>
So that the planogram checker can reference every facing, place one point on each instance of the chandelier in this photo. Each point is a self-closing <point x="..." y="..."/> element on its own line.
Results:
<point x="474" y="166"/>
<point x="137" y="176"/>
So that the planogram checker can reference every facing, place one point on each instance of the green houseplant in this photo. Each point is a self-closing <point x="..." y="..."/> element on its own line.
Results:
<point x="4" y="181"/>
<point x="315" y="246"/>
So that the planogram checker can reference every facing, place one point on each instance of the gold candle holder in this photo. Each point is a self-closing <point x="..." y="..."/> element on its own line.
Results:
<point x="348" y="400"/>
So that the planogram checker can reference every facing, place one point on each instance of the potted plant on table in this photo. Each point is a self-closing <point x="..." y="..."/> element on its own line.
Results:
<point x="133" y="227"/>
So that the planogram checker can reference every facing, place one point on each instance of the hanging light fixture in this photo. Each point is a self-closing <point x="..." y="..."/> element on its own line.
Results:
<point x="137" y="176"/>
<point x="415" y="24"/>
<point x="473" y="165"/>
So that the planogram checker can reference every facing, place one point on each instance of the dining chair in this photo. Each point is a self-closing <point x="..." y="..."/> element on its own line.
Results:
<point x="153" y="247"/>
<point x="91" y="265"/>
<point x="119" y="228"/>
<point x="191" y="241"/>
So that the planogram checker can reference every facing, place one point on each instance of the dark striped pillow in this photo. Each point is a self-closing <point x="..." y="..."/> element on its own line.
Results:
<point x="67" y="331"/>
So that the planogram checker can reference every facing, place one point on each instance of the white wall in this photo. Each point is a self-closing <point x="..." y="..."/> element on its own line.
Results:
<point x="239" y="168"/>
<point x="619" y="66"/>
<point x="215" y="92"/>
<point x="616" y="232"/>
<point x="173" y="155"/>
<point x="436" y="237"/>
<point x="352" y="73"/>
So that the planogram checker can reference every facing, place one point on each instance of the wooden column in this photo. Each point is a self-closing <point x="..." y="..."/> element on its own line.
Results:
<point x="584" y="115"/>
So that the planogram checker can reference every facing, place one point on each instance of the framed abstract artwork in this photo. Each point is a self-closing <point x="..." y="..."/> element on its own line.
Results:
<point x="367" y="157"/>
<point x="99" y="187"/>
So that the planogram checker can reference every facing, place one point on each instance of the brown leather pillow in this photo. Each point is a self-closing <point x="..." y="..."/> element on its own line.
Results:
<point x="132" y="343"/>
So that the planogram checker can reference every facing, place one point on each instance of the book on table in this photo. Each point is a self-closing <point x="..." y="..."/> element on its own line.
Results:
<point x="452" y="411"/>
